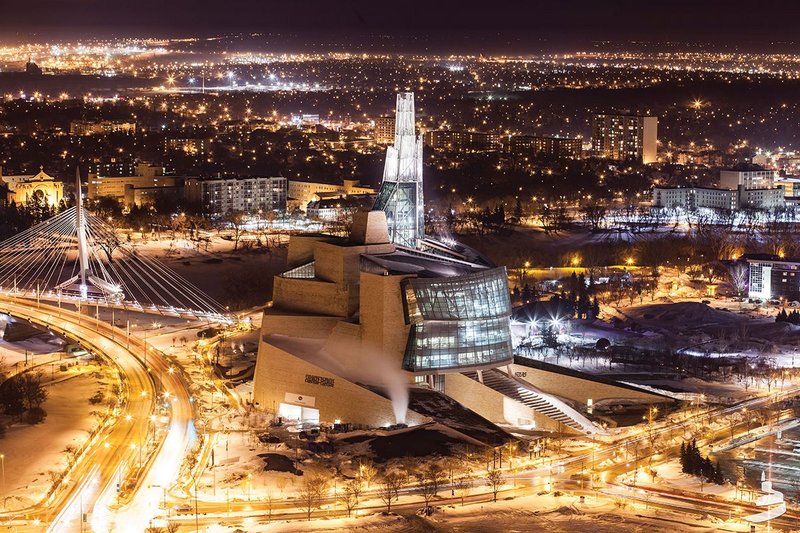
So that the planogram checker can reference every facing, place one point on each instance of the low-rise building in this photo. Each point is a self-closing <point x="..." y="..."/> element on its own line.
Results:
<point x="710" y="198"/>
<point x="141" y="188"/>
<point x="790" y="184"/>
<point x="238" y="193"/>
<point x="695" y="197"/>
<point x="189" y="145"/>
<point x="300" y="192"/>
<point x="99" y="127"/>
<point x="762" y="198"/>
<point x="555" y="147"/>
<point x="40" y="187"/>
<point x="772" y="277"/>
<point x="463" y="141"/>
<point x="749" y="179"/>
<point x="339" y="208"/>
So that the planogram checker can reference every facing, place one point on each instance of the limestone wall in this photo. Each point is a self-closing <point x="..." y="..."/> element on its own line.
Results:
<point x="310" y="296"/>
<point x="576" y="389"/>
<point x="303" y="326"/>
<point x="494" y="406"/>
<point x="282" y="377"/>
<point x="382" y="316"/>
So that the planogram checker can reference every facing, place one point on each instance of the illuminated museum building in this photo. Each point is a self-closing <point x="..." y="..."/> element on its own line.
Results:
<point x="352" y="315"/>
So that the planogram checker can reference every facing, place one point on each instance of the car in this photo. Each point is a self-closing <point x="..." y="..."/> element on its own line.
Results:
<point x="183" y="508"/>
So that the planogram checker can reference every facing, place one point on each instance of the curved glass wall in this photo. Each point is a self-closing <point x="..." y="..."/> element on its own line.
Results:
<point x="458" y="321"/>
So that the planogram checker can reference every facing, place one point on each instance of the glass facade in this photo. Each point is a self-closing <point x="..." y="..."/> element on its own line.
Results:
<point x="401" y="191"/>
<point x="458" y="322"/>
<point x="402" y="203"/>
<point x="307" y="271"/>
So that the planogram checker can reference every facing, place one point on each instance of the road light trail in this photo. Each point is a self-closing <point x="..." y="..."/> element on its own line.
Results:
<point x="124" y="443"/>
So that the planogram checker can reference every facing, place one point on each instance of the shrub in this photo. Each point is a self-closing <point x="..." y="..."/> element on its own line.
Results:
<point x="35" y="415"/>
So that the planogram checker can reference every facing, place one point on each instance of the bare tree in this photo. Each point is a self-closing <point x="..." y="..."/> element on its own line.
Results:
<point x="494" y="480"/>
<point x="236" y="220"/>
<point x="427" y="487"/>
<point x="593" y="214"/>
<point x="366" y="471"/>
<point x="389" y="489"/>
<point x="351" y="494"/>
<point x="311" y="492"/>
<point x="435" y="475"/>
<point x="737" y="277"/>
<point x="463" y="485"/>
<point x="106" y="238"/>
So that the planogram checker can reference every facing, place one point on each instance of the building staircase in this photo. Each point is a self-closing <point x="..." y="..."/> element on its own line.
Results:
<point x="528" y="395"/>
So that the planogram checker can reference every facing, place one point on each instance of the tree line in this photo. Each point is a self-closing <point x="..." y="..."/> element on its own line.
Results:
<point x="693" y="463"/>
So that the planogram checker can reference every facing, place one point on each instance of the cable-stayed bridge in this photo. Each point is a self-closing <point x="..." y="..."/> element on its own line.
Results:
<point x="75" y="257"/>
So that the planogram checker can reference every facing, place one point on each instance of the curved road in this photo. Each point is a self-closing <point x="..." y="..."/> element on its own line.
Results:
<point x="155" y="394"/>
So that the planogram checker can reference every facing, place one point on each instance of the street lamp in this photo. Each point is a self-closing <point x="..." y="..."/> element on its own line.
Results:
<point x="3" y="463"/>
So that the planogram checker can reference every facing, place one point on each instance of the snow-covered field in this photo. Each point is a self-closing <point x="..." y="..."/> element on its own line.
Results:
<point x="34" y="453"/>
<point x="528" y="514"/>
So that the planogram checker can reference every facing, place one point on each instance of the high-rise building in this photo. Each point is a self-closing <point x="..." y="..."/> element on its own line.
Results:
<point x="384" y="129"/>
<point x="556" y="147"/>
<point x="400" y="195"/>
<point x="625" y="137"/>
<point x="248" y="194"/>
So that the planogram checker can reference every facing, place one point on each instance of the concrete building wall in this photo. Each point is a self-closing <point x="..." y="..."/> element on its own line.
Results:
<point x="382" y="316"/>
<point x="494" y="406"/>
<point x="311" y="296"/>
<point x="283" y="378"/>
<point x="576" y="389"/>
<point x="301" y="249"/>
<point x="298" y="325"/>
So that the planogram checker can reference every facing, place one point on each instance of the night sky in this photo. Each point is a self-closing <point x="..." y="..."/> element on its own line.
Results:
<point x="722" y="22"/>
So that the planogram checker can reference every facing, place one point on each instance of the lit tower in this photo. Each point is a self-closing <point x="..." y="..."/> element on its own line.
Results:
<point x="400" y="195"/>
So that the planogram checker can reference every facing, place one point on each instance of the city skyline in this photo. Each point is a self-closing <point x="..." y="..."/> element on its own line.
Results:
<point x="511" y="266"/>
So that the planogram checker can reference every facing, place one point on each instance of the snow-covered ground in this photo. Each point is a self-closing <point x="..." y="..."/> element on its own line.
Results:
<point x="669" y="476"/>
<point x="528" y="514"/>
<point x="35" y="453"/>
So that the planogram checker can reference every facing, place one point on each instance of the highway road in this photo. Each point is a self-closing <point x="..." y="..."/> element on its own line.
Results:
<point x="536" y="478"/>
<point x="157" y="397"/>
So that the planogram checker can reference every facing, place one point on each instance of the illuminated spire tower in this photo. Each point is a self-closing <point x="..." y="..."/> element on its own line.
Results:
<point x="400" y="195"/>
